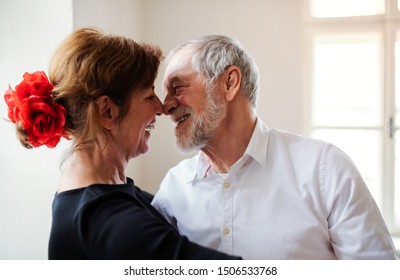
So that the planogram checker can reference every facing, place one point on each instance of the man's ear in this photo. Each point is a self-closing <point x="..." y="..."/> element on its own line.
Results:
<point x="232" y="82"/>
<point x="108" y="111"/>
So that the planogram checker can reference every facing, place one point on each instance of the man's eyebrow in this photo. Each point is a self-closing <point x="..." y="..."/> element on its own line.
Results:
<point x="171" y="80"/>
<point x="179" y="77"/>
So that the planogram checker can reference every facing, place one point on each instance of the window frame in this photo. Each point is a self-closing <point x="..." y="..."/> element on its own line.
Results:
<point x="388" y="25"/>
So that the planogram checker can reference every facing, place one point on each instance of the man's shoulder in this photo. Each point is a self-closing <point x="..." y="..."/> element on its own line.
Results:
<point x="283" y="135"/>
<point x="292" y="137"/>
<point x="180" y="174"/>
<point x="296" y="145"/>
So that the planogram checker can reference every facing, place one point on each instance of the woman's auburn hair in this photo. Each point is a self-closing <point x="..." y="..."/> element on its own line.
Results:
<point x="90" y="64"/>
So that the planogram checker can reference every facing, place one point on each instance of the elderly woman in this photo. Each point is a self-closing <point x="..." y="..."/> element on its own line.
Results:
<point x="101" y="95"/>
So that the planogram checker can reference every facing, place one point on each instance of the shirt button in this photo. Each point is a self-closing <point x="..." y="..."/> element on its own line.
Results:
<point x="226" y="185"/>
<point x="226" y="230"/>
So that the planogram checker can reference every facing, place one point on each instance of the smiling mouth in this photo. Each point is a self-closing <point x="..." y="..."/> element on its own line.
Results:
<point x="182" y="119"/>
<point x="149" y="128"/>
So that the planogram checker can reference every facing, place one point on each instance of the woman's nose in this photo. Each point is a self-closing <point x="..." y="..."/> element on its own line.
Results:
<point x="159" y="107"/>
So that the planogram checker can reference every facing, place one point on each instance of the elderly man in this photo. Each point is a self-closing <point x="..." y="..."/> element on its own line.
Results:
<point x="254" y="191"/>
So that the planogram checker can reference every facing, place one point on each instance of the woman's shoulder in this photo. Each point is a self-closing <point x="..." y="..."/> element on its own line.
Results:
<point x="96" y="195"/>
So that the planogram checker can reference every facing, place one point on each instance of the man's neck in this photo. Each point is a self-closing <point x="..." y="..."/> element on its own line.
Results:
<point x="230" y="140"/>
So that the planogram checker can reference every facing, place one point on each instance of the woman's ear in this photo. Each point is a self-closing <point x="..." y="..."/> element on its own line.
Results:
<point x="232" y="82"/>
<point x="108" y="111"/>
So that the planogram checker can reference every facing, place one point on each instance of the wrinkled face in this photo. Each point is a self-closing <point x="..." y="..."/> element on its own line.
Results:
<point x="139" y="121"/>
<point x="193" y="105"/>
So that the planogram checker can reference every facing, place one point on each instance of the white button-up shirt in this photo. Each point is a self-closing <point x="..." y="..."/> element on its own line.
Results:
<point x="287" y="197"/>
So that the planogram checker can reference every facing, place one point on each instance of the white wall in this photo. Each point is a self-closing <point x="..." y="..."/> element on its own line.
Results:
<point x="122" y="17"/>
<point x="269" y="29"/>
<point x="29" y="32"/>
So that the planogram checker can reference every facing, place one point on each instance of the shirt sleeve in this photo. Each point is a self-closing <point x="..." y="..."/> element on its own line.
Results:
<point x="356" y="227"/>
<point x="118" y="226"/>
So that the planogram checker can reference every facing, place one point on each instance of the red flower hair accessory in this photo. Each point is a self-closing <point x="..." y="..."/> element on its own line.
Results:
<point x="31" y="107"/>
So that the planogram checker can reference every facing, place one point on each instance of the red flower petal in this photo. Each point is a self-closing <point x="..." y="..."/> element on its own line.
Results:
<point x="31" y="103"/>
<point x="38" y="83"/>
<point x="9" y="99"/>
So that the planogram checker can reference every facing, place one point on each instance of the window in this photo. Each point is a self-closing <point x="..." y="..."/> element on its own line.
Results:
<point x="353" y="89"/>
<point x="343" y="8"/>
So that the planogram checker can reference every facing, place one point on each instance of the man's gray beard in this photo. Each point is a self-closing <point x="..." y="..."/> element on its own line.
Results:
<point x="201" y="129"/>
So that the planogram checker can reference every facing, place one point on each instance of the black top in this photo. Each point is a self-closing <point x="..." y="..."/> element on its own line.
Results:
<point x="116" y="222"/>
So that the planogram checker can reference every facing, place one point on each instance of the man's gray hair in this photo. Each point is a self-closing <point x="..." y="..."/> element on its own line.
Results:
<point x="213" y="54"/>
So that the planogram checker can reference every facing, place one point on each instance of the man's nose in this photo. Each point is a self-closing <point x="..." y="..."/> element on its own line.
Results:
<point x="170" y="105"/>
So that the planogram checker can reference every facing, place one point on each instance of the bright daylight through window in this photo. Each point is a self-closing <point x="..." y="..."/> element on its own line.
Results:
<point x="353" y="89"/>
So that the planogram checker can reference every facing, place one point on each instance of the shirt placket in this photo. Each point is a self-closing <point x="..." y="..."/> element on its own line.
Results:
<point x="226" y="221"/>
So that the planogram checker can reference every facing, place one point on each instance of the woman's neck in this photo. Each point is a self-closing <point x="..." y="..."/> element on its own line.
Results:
<point x="92" y="166"/>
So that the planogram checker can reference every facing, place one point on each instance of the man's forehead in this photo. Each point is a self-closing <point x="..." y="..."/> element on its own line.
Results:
<point x="178" y="67"/>
<point x="181" y="59"/>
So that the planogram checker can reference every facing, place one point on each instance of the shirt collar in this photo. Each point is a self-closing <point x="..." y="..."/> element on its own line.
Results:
<point x="258" y="144"/>
<point x="256" y="149"/>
